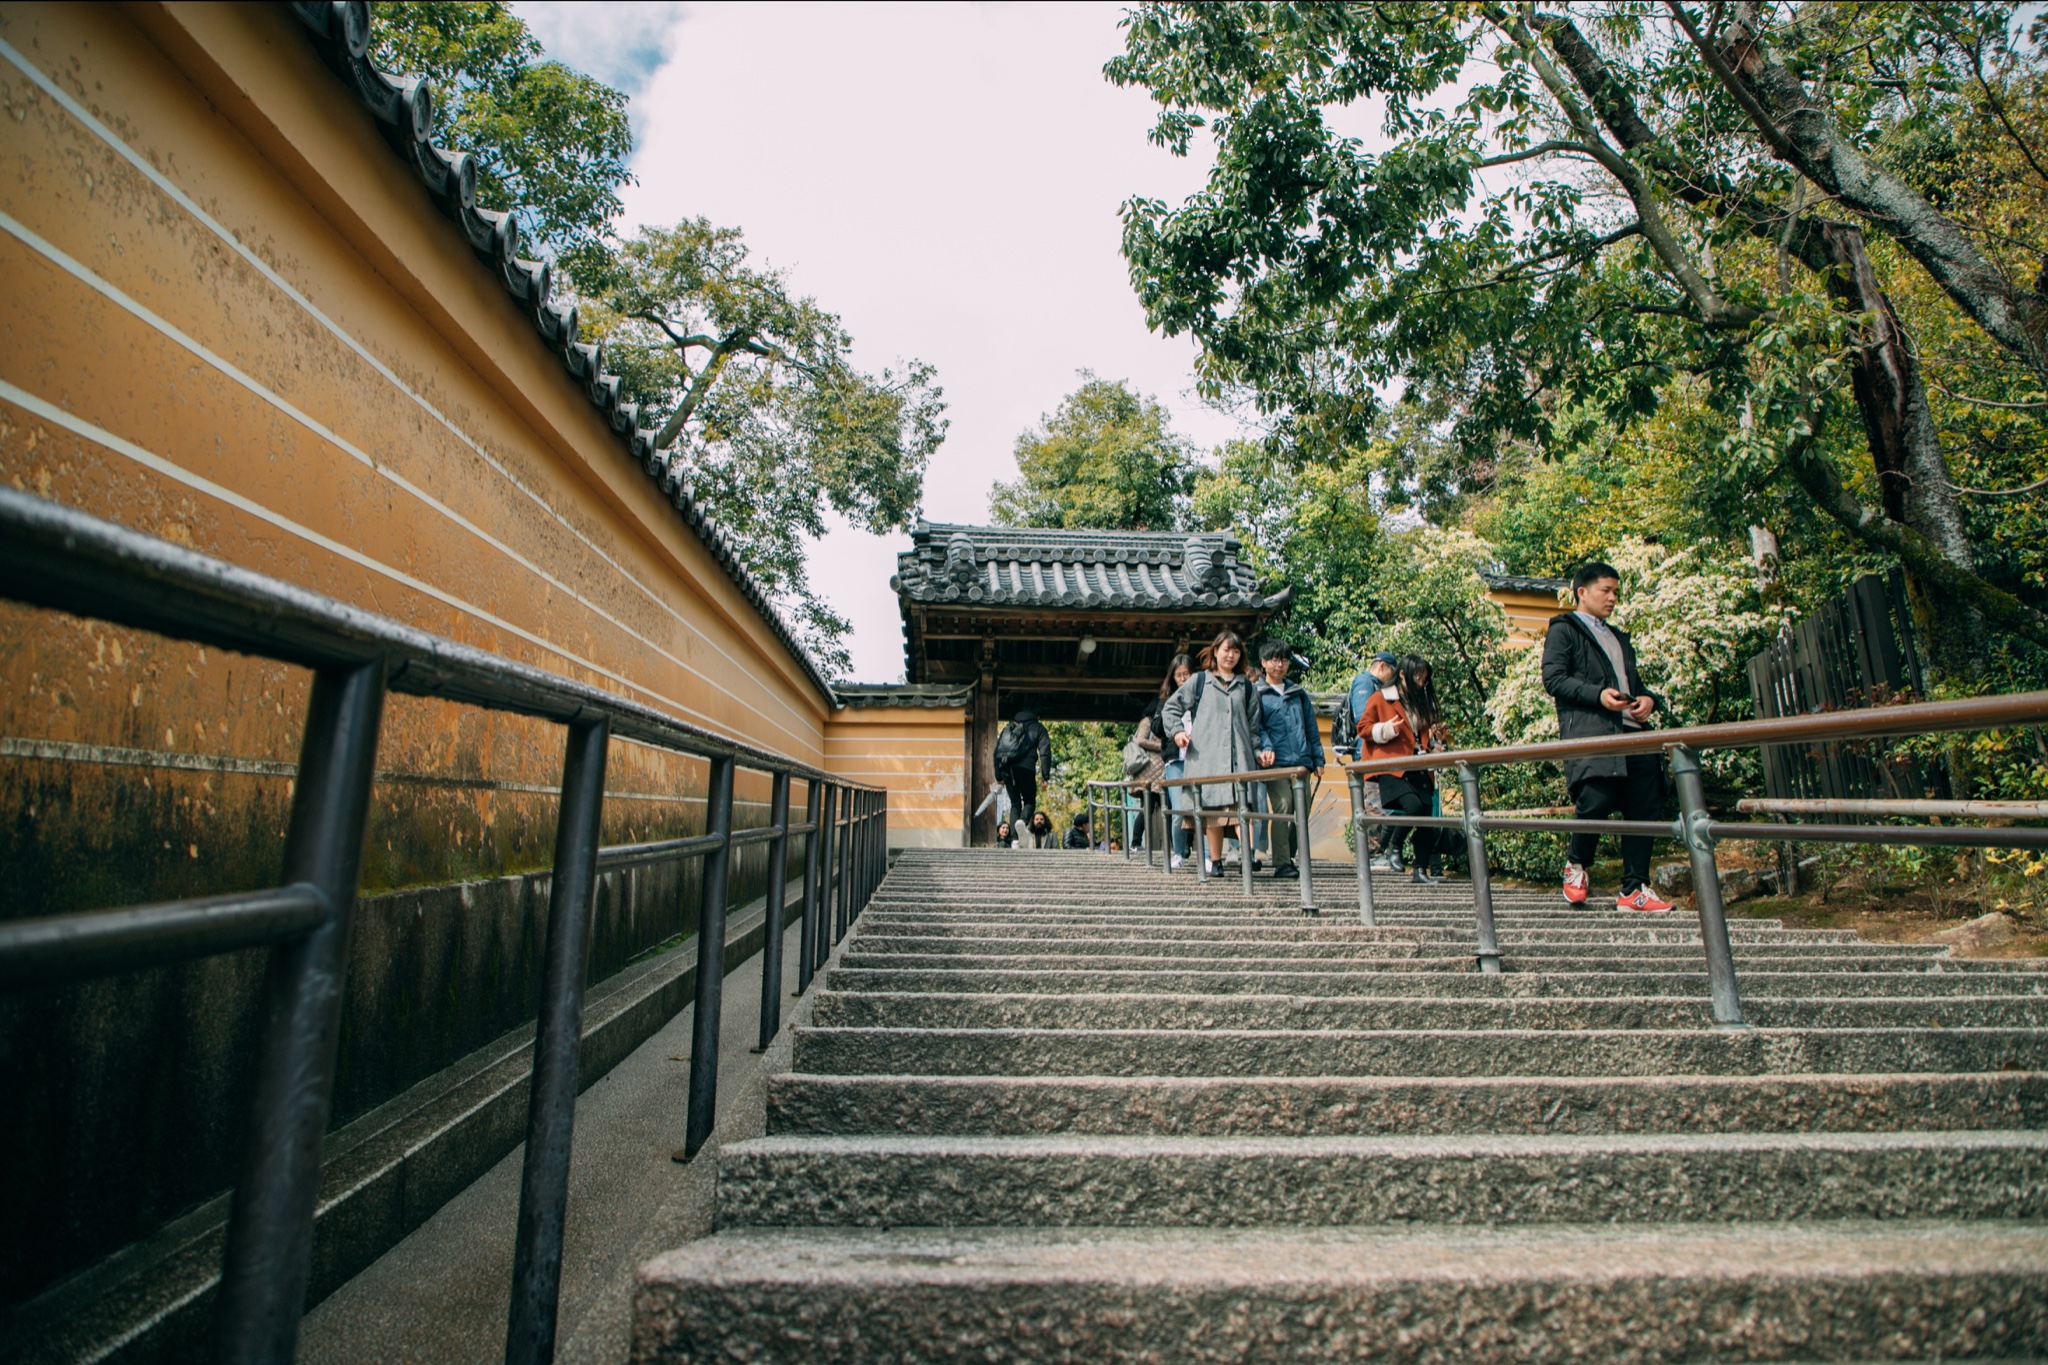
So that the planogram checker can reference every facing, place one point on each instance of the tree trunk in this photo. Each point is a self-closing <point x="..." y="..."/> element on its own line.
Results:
<point x="1912" y="472"/>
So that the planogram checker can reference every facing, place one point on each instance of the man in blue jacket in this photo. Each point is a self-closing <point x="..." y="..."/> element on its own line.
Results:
<point x="1288" y="738"/>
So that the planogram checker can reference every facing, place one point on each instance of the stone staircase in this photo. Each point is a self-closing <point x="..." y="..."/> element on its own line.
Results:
<point x="1061" y="1107"/>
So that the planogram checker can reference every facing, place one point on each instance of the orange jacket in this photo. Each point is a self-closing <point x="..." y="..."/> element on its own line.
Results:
<point x="1383" y="708"/>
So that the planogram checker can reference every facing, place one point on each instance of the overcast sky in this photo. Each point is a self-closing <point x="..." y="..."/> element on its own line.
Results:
<point x="945" y="177"/>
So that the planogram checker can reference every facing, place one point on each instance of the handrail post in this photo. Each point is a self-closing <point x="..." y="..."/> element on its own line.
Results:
<point x="1123" y="816"/>
<point x="703" y="1112"/>
<point x="828" y="885"/>
<point x="1706" y="886"/>
<point x="1247" y="841"/>
<point x="1302" y="858"/>
<point x="807" y="934"/>
<point x="778" y="892"/>
<point x="557" y="1052"/>
<point x="1482" y="885"/>
<point x="1361" y="852"/>
<point x="843" y="835"/>
<point x="269" y="1252"/>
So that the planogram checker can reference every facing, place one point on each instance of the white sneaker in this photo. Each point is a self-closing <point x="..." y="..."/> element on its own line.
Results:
<point x="1230" y="860"/>
<point x="1177" y="861"/>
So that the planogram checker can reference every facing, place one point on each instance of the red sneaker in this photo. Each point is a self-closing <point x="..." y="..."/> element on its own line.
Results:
<point x="1643" y="901"/>
<point x="1576" y="884"/>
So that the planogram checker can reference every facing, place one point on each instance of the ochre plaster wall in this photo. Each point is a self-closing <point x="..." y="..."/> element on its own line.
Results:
<point x="919" y="755"/>
<point x="231" y="317"/>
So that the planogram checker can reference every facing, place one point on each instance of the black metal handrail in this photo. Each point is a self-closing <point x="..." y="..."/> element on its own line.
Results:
<point x="1694" y="828"/>
<point x="52" y="556"/>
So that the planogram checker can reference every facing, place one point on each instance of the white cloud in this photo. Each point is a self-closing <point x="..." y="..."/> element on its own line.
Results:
<point x="622" y="45"/>
<point x="947" y="179"/>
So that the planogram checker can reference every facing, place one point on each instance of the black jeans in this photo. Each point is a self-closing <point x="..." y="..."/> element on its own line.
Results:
<point x="1023" y="789"/>
<point x="1408" y="794"/>
<point x="1637" y="796"/>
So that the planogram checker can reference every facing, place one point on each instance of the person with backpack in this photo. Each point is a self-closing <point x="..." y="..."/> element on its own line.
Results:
<point x="1349" y="734"/>
<point x="1293" y="740"/>
<point x="1024" y="756"/>
<point x="1216" y="721"/>
<point x="1153" y="726"/>
<point x="1589" y="670"/>
<point x="1400" y="721"/>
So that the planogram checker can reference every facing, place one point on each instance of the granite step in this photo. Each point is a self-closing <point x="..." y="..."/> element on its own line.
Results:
<point x="1408" y="1296"/>
<point x="1323" y="1106"/>
<point x="942" y="1010"/>
<point x="1394" y="1052"/>
<point x="873" y="1180"/>
<point x="1396" y="978"/>
<point x="1299" y="929"/>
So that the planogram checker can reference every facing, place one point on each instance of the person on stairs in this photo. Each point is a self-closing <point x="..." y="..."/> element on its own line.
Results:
<point x="1377" y="675"/>
<point x="1401" y="720"/>
<point x="1293" y="740"/>
<point x="1176" y="799"/>
<point x="1077" y="835"/>
<point x="1215" y="719"/>
<point x="1023" y="755"/>
<point x="1589" y="670"/>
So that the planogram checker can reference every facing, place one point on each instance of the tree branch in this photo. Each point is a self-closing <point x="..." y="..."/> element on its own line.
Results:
<point x="1916" y="552"/>
<point x="2033" y="487"/>
<point x="1540" y="149"/>
<point x="1990" y="96"/>
<point x="1716" y="310"/>
<point x="1804" y="136"/>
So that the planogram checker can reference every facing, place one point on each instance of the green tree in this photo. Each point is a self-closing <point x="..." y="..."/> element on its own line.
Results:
<point x="549" y="142"/>
<point x="1579" y="208"/>
<point x="1105" y="460"/>
<point x="760" y="406"/>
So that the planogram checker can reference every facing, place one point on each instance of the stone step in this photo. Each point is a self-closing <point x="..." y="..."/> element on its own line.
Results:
<point x="1854" y="1291"/>
<point x="1485" y="1179"/>
<point x="1519" y="961"/>
<point x="1396" y="979"/>
<point x="1383" y="944"/>
<point x="941" y="1010"/>
<point x="1298" y="928"/>
<point x="1397" y="1106"/>
<point x="1494" y="1052"/>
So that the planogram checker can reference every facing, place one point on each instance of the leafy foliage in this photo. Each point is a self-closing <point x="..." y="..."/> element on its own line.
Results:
<point x="1576" y="224"/>
<point x="550" y="142"/>
<point x="1105" y="460"/>
<point x="773" y="422"/>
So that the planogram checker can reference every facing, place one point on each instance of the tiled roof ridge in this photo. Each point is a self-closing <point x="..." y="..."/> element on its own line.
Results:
<point x="403" y="110"/>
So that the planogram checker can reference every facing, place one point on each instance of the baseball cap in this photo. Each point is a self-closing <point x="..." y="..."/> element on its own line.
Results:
<point x="1385" y="658"/>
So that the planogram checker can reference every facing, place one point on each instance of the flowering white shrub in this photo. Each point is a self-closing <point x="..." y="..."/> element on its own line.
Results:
<point x="1694" y="621"/>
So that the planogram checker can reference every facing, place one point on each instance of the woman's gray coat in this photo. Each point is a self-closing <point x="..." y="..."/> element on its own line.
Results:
<point x="1220" y="730"/>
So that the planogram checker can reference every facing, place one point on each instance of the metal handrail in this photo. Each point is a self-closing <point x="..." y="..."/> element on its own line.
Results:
<point x="55" y="557"/>
<point x="1694" y="827"/>
<point x="1243" y="812"/>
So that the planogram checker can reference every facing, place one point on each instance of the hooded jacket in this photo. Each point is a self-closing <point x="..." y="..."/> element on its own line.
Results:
<point x="1575" y="672"/>
<point x="1289" y="724"/>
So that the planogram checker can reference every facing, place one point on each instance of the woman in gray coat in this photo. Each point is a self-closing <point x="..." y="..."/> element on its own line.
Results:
<point x="1214" y="715"/>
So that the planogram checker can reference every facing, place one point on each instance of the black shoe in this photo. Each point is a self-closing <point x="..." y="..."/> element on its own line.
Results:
<point x="1422" y="878"/>
<point x="1210" y="869"/>
<point x="1286" y="872"/>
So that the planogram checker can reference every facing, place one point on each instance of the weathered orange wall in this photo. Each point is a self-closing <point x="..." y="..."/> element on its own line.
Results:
<point x="231" y="317"/>
<point x="1528" y="614"/>
<point x="919" y="755"/>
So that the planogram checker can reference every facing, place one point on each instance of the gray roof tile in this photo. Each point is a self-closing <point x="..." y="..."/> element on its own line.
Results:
<point x="998" y="566"/>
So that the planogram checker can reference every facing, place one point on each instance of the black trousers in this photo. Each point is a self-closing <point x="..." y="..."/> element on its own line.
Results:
<point x="1408" y="794"/>
<point x="1637" y="796"/>
<point x="1022" y="785"/>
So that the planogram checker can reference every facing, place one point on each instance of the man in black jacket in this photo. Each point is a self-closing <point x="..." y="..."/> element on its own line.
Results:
<point x="1022" y="741"/>
<point x="1589" y="669"/>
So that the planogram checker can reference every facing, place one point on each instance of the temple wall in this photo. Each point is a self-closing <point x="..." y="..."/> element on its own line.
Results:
<point x="917" y="753"/>
<point x="232" y="318"/>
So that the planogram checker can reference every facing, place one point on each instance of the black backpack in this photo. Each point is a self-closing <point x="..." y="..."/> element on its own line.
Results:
<point x="1012" y="746"/>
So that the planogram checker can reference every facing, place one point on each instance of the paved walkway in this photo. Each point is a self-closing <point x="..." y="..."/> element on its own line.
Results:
<point x="441" y="1294"/>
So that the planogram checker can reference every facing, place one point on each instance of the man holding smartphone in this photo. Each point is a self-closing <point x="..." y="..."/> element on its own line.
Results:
<point x="1589" y="670"/>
